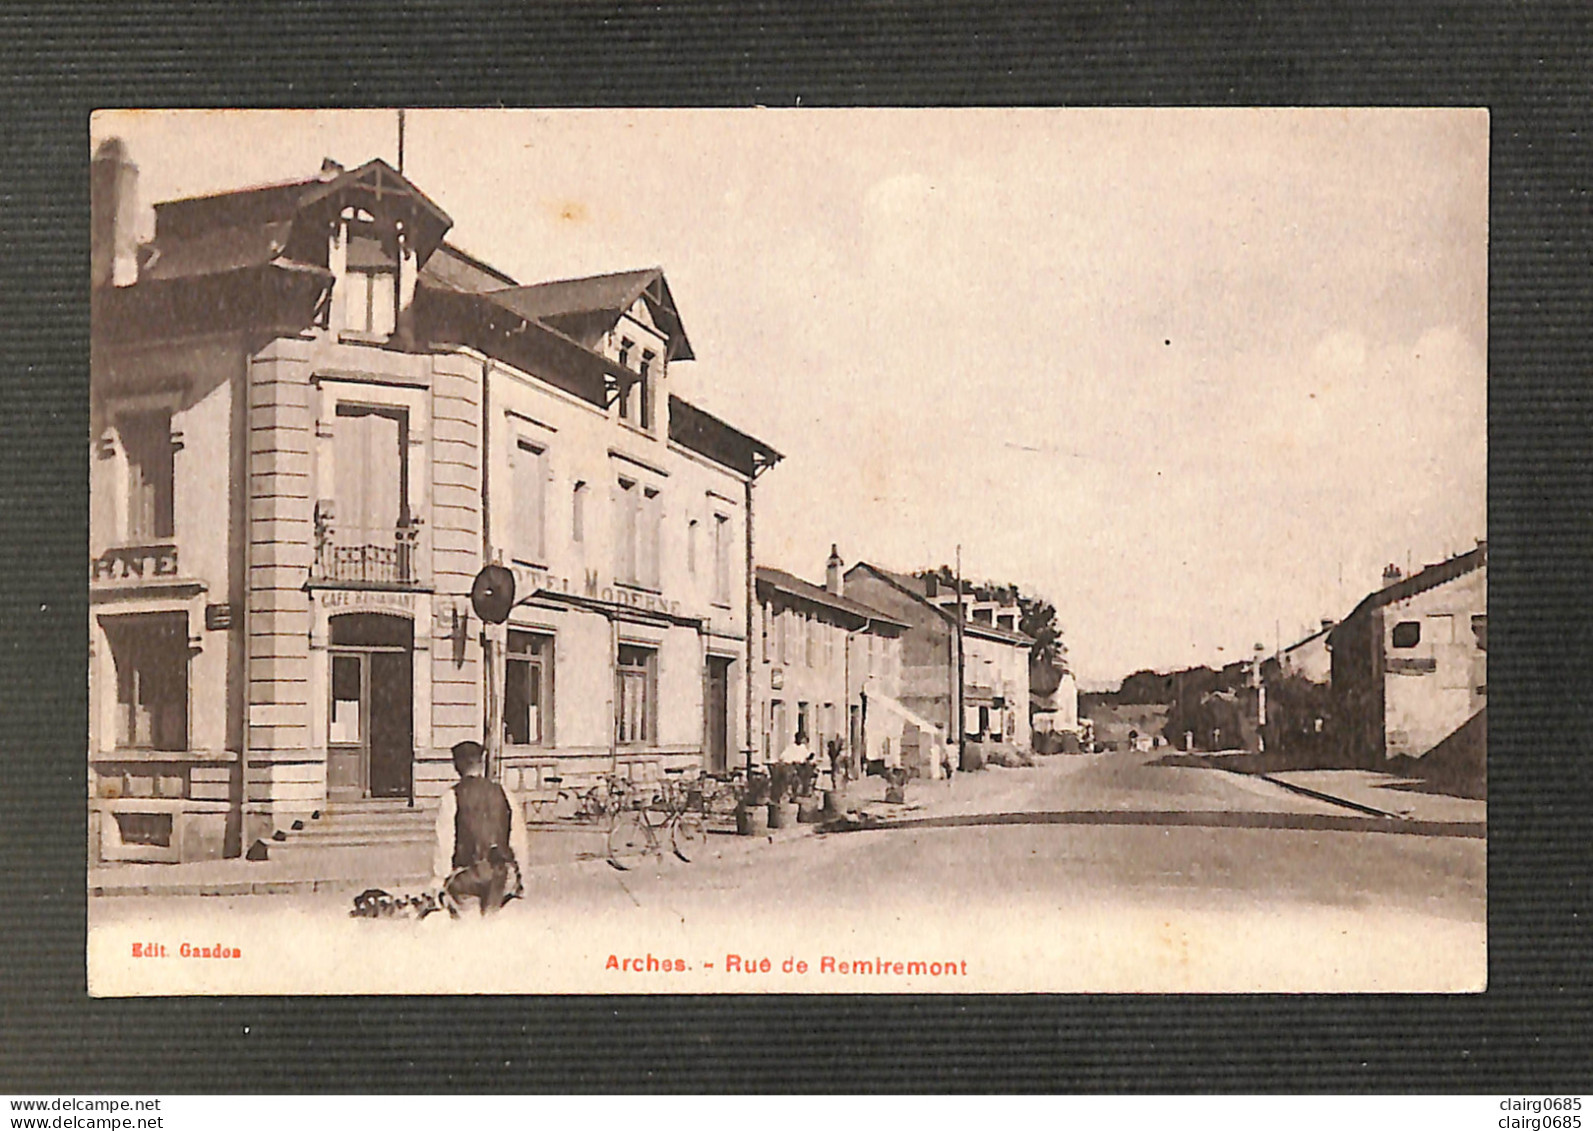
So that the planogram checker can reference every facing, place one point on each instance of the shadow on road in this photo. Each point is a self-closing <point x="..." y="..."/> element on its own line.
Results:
<point x="1309" y="822"/>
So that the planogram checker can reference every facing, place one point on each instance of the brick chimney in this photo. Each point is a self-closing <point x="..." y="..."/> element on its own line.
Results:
<point x="833" y="579"/>
<point x="113" y="212"/>
<point x="1391" y="574"/>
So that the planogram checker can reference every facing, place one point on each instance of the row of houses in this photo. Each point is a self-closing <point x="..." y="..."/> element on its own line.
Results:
<point x="1400" y="681"/>
<point x="314" y="420"/>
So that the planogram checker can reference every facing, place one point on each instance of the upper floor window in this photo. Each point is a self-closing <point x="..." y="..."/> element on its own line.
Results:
<point x="722" y="559"/>
<point x="530" y="488"/>
<point x="368" y="535"/>
<point x="371" y="305"/>
<point x="578" y="513"/>
<point x="1407" y="634"/>
<point x="644" y="390"/>
<point x="638" y="514"/>
<point x="146" y="441"/>
<point x="691" y="547"/>
<point x="629" y="408"/>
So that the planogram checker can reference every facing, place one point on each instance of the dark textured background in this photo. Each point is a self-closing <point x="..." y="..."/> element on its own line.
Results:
<point x="1529" y="1033"/>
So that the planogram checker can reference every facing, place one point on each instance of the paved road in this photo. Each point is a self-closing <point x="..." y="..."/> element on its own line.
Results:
<point x="1101" y="872"/>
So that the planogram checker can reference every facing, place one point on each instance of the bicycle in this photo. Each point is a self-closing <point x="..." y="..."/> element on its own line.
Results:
<point x="677" y="807"/>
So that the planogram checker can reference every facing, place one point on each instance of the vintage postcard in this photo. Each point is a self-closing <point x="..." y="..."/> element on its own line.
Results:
<point x="868" y="551"/>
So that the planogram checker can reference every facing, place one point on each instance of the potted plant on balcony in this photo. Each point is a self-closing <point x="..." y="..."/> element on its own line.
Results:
<point x="752" y="807"/>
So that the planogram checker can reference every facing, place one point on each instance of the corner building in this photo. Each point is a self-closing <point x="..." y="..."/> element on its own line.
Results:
<point x="312" y="422"/>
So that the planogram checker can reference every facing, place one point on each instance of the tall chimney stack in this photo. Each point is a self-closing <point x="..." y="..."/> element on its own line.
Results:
<point x="833" y="580"/>
<point x="1391" y="574"/>
<point x="113" y="210"/>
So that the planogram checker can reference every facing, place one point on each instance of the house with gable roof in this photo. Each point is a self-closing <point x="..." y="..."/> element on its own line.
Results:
<point x="313" y="421"/>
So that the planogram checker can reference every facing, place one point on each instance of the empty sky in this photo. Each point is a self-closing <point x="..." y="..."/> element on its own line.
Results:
<point x="1194" y="376"/>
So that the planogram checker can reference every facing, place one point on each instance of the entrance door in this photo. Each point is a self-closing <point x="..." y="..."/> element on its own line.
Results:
<point x="718" y="714"/>
<point x="392" y="722"/>
<point x="370" y="722"/>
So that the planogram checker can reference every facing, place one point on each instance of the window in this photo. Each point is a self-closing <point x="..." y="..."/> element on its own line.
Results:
<point x="691" y="547"/>
<point x="803" y="720"/>
<point x="146" y="440"/>
<point x="372" y="301"/>
<point x="830" y="633"/>
<point x="578" y="513"/>
<point x="722" y="559"/>
<point x="1407" y="634"/>
<point x="651" y="531"/>
<point x="782" y="629"/>
<point x="638" y="518"/>
<point x="766" y="633"/>
<point x="625" y="520"/>
<point x="638" y="691"/>
<point x="530" y="489"/>
<point x="344" y="727"/>
<point x="627" y="400"/>
<point x="528" y="686"/>
<point x="150" y="652"/>
<point x="777" y="728"/>
<point x="810" y="640"/>
<point x="644" y="390"/>
<point x="371" y="537"/>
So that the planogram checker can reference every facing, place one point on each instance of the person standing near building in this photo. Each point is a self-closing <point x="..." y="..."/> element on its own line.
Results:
<point x="481" y="837"/>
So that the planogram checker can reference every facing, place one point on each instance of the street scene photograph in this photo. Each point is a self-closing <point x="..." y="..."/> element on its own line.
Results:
<point x="796" y="551"/>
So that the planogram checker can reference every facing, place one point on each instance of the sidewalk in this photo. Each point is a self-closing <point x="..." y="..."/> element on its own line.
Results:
<point x="390" y="867"/>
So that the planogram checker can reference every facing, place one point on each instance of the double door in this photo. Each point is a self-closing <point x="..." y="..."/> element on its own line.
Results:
<point x="370" y="744"/>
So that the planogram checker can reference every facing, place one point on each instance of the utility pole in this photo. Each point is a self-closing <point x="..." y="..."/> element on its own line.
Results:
<point x="957" y="719"/>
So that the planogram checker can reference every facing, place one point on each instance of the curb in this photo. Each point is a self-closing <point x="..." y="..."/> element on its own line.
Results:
<point x="1318" y="795"/>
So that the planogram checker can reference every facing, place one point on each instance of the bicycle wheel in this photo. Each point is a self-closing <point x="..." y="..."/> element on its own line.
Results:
<point x="630" y="837"/>
<point x="688" y="836"/>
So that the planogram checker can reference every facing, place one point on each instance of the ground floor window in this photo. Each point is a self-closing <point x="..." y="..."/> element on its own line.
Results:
<point x="150" y="653"/>
<point x="638" y="695"/>
<point x="527" y="697"/>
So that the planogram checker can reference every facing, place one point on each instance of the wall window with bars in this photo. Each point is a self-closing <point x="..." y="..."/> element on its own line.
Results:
<point x="636" y="719"/>
<point x="528" y="690"/>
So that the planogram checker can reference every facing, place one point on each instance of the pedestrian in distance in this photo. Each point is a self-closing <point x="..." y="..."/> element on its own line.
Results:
<point x="481" y="837"/>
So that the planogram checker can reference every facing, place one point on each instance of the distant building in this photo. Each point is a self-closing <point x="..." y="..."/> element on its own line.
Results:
<point x="994" y="696"/>
<point x="1298" y="705"/>
<point x="1409" y="664"/>
<point x="827" y="665"/>
<point x="1055" y="712"/>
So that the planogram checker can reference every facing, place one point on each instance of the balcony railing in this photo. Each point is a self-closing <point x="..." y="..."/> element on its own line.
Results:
<point x="385" y="555"/>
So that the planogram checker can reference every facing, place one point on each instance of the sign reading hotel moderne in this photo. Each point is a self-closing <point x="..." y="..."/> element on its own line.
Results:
<point x="528" y="580"/>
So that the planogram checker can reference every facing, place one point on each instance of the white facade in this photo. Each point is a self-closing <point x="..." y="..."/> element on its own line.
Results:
<point x="1435" y="668"/>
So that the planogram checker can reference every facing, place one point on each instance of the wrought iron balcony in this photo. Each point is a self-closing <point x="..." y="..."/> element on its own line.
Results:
<point x="385" y="555"/>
